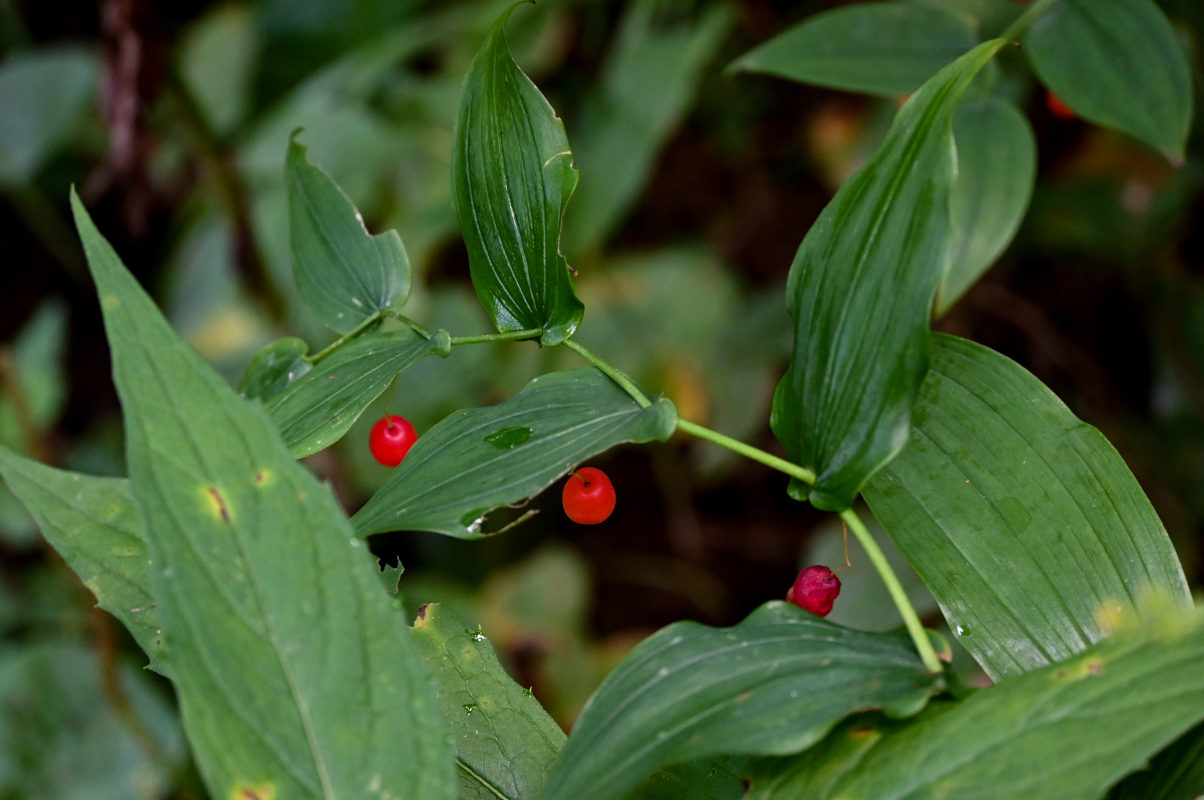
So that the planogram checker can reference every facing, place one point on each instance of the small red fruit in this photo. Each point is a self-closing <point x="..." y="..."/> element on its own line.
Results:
<point x="1058" y="108"/>
<point x="391" y="438"/>
<point x="814" y="590"/>
<point x="588" y="496"/>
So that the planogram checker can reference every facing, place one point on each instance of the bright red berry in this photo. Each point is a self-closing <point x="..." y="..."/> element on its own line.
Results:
<point x="588" y="496"/>
<point x="814" y="590"/>
<point x="391" y="438"/>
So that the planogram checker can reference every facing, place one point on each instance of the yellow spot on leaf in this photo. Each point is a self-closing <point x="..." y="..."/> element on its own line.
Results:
<point x="253" y="791"/>
<point x="217" y="504"/>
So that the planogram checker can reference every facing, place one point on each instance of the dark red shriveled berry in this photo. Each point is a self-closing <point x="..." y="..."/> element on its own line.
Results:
<point x="814" y="590"/>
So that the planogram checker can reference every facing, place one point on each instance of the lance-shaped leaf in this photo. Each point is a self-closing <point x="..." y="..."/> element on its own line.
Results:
<point x="1023" y="520"/>
<point x="94" y="525"/>
<point x="512" y="174"/>
<point x="774" y="684"/>
<point x="505" y="741"/>
<point x="293" y="677"/>
<point x="1118" y="63"/>
<point x="315" y="410"/>
<point x="887" y="48"/>
<point x="996" y="168"/>
<point x="860" y="292"/>
<point x="478" y="459"/>
<point x="344" y="274"/>
<point x="1069" y="730"/>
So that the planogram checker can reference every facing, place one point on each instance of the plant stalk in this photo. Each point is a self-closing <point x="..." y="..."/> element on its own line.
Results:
<point x="508" y="336"/>
<point x="910" y="619"/>
<point x="616" y="375"/>
<point x="346" y="337"/>
<point x="1021" y="23"/>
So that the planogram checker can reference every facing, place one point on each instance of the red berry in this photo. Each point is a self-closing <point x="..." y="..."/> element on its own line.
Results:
<point x="391" y="438"/>
<point x="814" y="590"/>
<point x="1057" y="107"/>
<point x="588" y="496"/>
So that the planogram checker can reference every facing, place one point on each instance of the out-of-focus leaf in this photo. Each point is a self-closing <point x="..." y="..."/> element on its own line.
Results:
<point x="217" y="56"/>
<point x="273" y="368"/>
<point x="887" y="48"/>
<point x="344" y="274"/>
<point x="94" y="525"/>
<point x="718" y="778"/>
<point x="44" y="95"/>
<point x="505" y="741"/>
<point x="996" y="169"/>
<point x="1177" y="773"/>
<point x="650" y="75"/>
<point x="1117" y="63"/>
<point x="774" y="684"/>
<point x="1069" y="730"/>
<point x="293" y="677"/>
<point x="512" y="175"/>
<point x="314" y="411"/>
<point x="34" y="365"/>
<point x="860" y="293"/>
<point x="479" y="459"/>
<point x="1023" y="520"/>
<point x="62" y="736"/>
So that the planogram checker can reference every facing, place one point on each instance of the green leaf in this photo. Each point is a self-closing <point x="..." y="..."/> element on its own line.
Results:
<point x="812" y="773"/>
<point x="1117" y="63"/>
<point x="996" y="169"/>
<point x="344" y="274"/>
<point x="1068" y="731"/>
<point x="478" y="459"/>
<point x="1023" y="520"/>
<point x="94" y="525"/>
<point x="718" y="778"/>
<point x="315" y="410"/>
<point x="774" y="684"/>
<point x="293" y="676"/>
<point x="650" y="76"/>
<point x="887" y="49"/>
<point x="1177" y="773"/>
<point x="46" y="94"/>
<point x="860" y="292"/>
<point x="512" y="174"/>
<point x="63" y="736"/>
<point x="273" y="368"/>
<point x="505" y="741"/>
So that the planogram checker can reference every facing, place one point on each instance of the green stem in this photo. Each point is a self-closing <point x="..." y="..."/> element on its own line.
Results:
<point x="346" y="337"/>
<point x="918" y="636"/>
<point x="508" y="336"/>
<point x="748" y="451"/>
<point x="1021" y="23"/>
<point x="877" y="558"/>
<point x="616" y="375"/>
<point x="411" y="324"/>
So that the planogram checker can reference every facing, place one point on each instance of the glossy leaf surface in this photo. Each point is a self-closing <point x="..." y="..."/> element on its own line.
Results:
<point x="505" y="741"/>
<point x="1023" y="520"/>
<point x="476" y="460"/>
<point x="273" y="368"/>
<point x="887" y="48"/>
<point x="317" y="409"/>
<point x="344" y="274"/>
<point x="860" y="293"/>
<point x="512" y="175"/>
<point x="293" y="676"/>
<point x="774" y="684"/>
<point x="996" y="169"/>
<point x="1069" y="730"/>
<point x="94" y="525"/>
<point x="1117" y="63"/>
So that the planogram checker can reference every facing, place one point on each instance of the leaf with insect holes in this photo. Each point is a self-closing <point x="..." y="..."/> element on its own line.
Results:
<point x="479" y="459"/>
<point x="512" y="175"/>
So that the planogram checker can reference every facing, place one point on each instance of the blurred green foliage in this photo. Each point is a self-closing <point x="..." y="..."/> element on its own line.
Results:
<point x="696" y="188"/>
